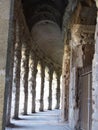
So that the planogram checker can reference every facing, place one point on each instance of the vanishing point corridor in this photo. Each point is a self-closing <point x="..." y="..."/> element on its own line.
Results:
<point x="48" y="64"/>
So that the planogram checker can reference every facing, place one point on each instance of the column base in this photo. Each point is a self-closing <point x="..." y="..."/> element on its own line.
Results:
<point x="57" y="107"/>
<point x="41" y="110"/>
<point x="25" y="114"/>
<point x="49" y="108"/>
<point x="33" y="111"/>
<point x="16" y="118"/>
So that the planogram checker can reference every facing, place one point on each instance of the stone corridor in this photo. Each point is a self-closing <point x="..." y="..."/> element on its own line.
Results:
<point x="48" y="60"/>
<point x="49" y="120"/>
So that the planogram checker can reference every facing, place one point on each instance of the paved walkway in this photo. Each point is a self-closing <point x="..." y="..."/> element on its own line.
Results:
<point x="49" y="120"/>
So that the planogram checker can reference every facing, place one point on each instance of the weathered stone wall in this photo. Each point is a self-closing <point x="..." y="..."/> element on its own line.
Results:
<point x="4" y="25"/>
<point x="95" y="80"/>
<point x="82" y="44"/>
<point x="73" y="109"/>
<point x="82" y="51"/>
<point x="81" y="56"/>
<point x="95" y="86"/>
<point x="65" y="82"/>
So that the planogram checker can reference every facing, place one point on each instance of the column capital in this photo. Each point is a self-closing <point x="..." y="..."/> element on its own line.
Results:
<point x="33" y="55"/>
<point x="34" y="62"/>
<point x="58" y="73"/>
<point x="51" y="69"/>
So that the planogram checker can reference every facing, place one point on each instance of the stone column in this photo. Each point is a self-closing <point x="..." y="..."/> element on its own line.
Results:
<point x="73" y="99"/>
<point x="65" y="82"/>
<point x="33" y="68"/>
<point x="9" y="99"/>
<point x="25" y="66"/>
<point x="50" y="87"/>
<point x="95" y="83"/>
<point x="6" y="52"/>
<point x="42" y="85"/>
<point x="58" y="74"/>
<point x="17" y="66"/>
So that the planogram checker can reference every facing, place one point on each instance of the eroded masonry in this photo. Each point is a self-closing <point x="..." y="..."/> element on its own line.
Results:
<point x="49" y="49"/>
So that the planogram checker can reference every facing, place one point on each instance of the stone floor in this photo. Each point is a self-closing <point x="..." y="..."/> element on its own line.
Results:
<point x="49" y="120"/>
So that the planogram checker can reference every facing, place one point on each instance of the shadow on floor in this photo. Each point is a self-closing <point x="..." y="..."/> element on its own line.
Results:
<point x="49" y="120"/>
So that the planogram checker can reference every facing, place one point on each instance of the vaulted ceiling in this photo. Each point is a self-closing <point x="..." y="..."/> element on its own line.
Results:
<point x="36" y="10"/>
<point x="44" y="19"/>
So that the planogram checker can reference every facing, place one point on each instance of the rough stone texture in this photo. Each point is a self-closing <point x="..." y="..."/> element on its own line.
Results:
<point x="73" y="109"/>
<point x="82" y="42"/>
<point x="67" y="16"/>
<point x="81" y="13"/>
<point x="77" y="54"/>
<point x="65" y="82"/>
<point x="58" y="74"/>
<point x="82" y="51"/>
<point x="88" y="53"/>
<point x="4" y="25"/>
<point x="84" y="18"/>
<point x="50" y="87"/>
<point x="33" y="67"/>
<point x="25" y="66"/>
<point x="75" y="61"/>
<point x="42" y="86"/>
<point x="17" y="68"/>
<point x="82" y="34"/>
<point x="95" y="84"/>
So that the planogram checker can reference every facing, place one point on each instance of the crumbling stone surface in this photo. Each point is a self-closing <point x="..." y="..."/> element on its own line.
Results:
<point x="65" y="82"/>
<point x="73" y="107"/>
<point x="82" y="11"/>
<point x="42" y="85"/>
<point x="88" y="53"/>
<point x="25" y="73"/>
<point x="17" y="70"/>
<point x="58" y="74"/>
<point x="33" y="68"/>
<point x="82" y="47"/>
<point x="82" y="44"/>
<point x="50" y="86"/>
<point x="95" y="81"/>
<point x="82" y="34"/>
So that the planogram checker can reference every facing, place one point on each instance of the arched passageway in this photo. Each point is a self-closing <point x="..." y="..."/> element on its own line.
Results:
<point x="48" y="40"/>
